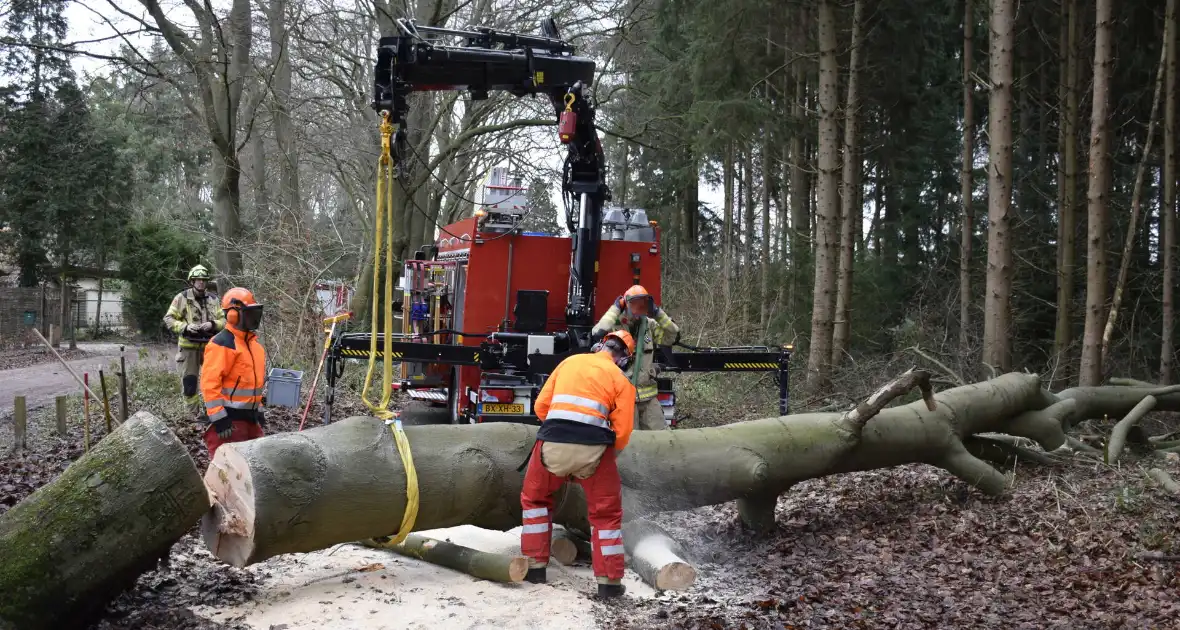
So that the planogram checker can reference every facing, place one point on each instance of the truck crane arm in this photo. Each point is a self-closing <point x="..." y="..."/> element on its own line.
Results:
<point x="416" y="60"/>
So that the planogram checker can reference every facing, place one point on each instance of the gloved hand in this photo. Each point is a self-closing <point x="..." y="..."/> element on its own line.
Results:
<point x="193" y="328"/>
<point x="207" y="327"/>
<point x="224" y="428"/>
<point x="677" y="339"/>
<point x="655" y="311"/>
<point x="260" y="418"/>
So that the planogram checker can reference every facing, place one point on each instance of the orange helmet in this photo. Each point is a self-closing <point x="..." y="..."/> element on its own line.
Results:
<point x="625" y="338"/>
<point x="638" y="301"/>
<point x="241" y="309"/>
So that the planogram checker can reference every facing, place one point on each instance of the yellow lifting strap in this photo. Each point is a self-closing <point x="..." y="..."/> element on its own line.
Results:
<point x="383" y="239"/>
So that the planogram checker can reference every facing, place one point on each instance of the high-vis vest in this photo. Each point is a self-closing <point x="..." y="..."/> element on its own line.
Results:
<point x="589" y="391"/>
<point x="233" y="376"/>
<point x="187" y="308"/>
<point x="659" y="328"/>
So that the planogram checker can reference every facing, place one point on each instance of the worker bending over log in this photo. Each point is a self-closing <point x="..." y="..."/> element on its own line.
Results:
<point x="586" y="410"/>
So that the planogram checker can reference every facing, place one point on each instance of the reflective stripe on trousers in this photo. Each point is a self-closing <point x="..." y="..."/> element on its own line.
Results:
<point x="604" y="503"/>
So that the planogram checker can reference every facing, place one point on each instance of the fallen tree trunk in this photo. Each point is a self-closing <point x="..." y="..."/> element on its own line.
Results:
<point x="286" y="493"/>
<point x="487" y="566"/>
<point x="1118" y="436"/>
<point x="74" y="544"/>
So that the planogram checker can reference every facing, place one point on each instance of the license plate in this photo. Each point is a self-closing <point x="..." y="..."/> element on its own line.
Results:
<point x="500" y="408"/>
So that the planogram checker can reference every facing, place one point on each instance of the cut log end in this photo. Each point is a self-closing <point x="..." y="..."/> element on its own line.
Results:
<point x="228" y="528"/>
<point x="563" y="550"/>
<point x="517" y="568"/>
<point x="675" y="576"/>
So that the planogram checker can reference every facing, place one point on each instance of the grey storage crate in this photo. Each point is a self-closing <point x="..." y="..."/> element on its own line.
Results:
<point x="283" y="388"/>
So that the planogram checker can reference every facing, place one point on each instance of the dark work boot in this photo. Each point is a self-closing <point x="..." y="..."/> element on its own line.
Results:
<point x="611" y="591"/>
<point x="535" y="575"/>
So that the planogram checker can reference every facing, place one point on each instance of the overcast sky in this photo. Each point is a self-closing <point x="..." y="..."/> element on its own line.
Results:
<point x="94" y="20"/>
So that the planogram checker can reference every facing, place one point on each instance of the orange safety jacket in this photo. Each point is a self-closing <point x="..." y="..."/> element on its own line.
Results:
<point x="587" y="400"/>
<point x="233" y="375"/>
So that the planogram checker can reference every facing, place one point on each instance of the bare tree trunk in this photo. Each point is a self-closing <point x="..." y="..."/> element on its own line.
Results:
<point x="827" y="203"/>
<point x="102" y="268"/>
<point x="1168" y="208"/>
<point x="226" y="197"/>
<point x="727" y="227"/>
<point x="965" y="178"/>
<point x="280" y="54"/>
<point x="1096" y="198"/>
<point x="998" y="292"/>
<point x="767" y="236"/>
<point x="691" y="202"/>
<point x="1136" y="202"/>
<point x="1067" y="212"/>
<point x="800" y="212"/>
<point x="748" y="219"/>
<point x="852" y="212"/>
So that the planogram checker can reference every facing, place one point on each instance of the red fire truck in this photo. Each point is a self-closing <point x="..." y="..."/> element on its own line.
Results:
<point x="489" y="310"/>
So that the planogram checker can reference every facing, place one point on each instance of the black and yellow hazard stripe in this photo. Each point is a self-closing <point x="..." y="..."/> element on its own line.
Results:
<point x="750" y="366"/>
<point x="348" y="352"/>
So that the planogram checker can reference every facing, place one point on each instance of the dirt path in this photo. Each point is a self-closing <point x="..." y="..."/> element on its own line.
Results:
<point x="40" y="383"/>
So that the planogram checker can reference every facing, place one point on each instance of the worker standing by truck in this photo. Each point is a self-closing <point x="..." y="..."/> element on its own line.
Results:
<point x="194" y="316"/>
<point x="234" y="374"/>
<point x="586" y="409"/>
<point x="636" y="312"/>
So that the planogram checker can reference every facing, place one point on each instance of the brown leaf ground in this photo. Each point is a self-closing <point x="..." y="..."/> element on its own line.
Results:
<point x="911" y="548"/>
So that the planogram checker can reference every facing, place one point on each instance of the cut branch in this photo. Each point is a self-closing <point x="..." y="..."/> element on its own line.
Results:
<point x="487" y="566"/>
<point x="1118" y="437"/>
<point x="1164" y="480"/>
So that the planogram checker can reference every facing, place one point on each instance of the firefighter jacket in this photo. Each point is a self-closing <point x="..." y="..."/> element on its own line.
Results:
<point x="187" y="308"/>
<point x="587" y="400"/>
<point x="661" y="330"/>
<point x="233" y="376"/>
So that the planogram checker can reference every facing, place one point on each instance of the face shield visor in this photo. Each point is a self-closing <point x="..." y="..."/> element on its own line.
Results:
<point x="639" y="306"/>
<point x="250" y="317"/>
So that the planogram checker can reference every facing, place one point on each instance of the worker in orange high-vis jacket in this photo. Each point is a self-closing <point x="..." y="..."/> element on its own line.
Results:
<point x="234" y="374"/>
<point x="587" y="412"/>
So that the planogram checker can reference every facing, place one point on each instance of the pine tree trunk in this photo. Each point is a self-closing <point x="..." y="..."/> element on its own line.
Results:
<point x="1067" y="212"/>
<point x="727" y="230"/>
<point x="827" y="203"/>
<point x="1168" y="208"/>
<point x="966" y="186"/>
<point x="1136" y="203"/>
<point x="852" y="212"/>
<point x="767" y="236"/>
<point x="1096" y="199"/>
<point x="800" y="212"/>
<point x="102" y="267"/>
<point x="998" y="292"/>
<point x="747" y="289"/>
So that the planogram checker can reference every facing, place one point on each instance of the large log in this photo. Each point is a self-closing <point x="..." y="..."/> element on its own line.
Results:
<point x="78" y="541"/>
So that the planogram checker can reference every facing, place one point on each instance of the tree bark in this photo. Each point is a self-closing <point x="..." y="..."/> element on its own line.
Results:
<point x="748" y="255"/>
<point x="1118" y="436"/>
<point x="966" y="186"/>
<point x="727" y="229"/>
<point x="1168" y="209"/>
<point x="284" y="493"/>
<point x="800" y="212"/>
<point x="74" y="544"/>
<point x="1067" y="213"/>
<point x="1096" y="199"/>
<point x="851" y="212"/>
<point x="998" y="292"/>
<point x="1136" y="203"/>
<point x="487" y="566"/>
<point x="819" y="359"/>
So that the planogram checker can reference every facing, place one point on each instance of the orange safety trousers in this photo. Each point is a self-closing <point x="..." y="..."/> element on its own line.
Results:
<point x="604" y="503"/>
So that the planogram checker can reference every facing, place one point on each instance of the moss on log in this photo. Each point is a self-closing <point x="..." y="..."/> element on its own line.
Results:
<point x="74" y="544"/>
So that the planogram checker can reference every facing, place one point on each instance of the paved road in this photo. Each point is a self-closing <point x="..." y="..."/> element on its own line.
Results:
<point x="39" y="384"/>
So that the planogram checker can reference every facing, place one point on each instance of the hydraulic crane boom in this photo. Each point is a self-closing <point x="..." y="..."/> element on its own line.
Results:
<point x="417" y="61"/>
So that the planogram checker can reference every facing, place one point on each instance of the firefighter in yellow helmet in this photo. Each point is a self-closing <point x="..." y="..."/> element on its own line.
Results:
<point x="636" y="312"/>
<point x="195" y="315"/>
